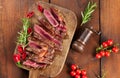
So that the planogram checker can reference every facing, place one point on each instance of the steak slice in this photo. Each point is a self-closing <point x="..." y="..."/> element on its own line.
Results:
<point x="46" y="26"/>
<point x="42" y="39"/>
<point x="60" y="18"/>
<point x="50" y="18"/>
<point x="37" y="42"/>
<point x="48" y="42"/>
<point x="36" y="51"/>
<point x="47" y="58"/>
<point x="37" y="46"/>
<point x="43" y="60"/>
<point x="50" y="55"/>
<point x="30" y="63"/>
<point x="45" y="34"/>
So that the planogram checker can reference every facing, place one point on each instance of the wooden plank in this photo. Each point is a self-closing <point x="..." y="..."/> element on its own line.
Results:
<point x="110" y="26"/>
<point x="10" y="14"/>
<point x="86" y="59"/>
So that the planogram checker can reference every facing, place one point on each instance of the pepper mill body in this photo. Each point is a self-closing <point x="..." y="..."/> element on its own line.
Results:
<point x="80" y="43"/>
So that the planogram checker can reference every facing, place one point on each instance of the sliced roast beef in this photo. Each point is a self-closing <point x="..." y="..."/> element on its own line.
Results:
<point x="50" y="43"/>
<point x="37" y="42"/>
<point x="33" y="64"/>
<point x="59" y="17"/>
<point x="55" y="13"/>
<point x="62" y="26"/>
<point x="50" y="54"/>
<point x="50" y="29"/>
<point x="47" y="27"/>
<point x="50" y="18"/>
<point x="44" y="34"/>
<point x="37" y="51"/>
<point x="32" y="56"/>
<point x="43" y="60"/>
<point x="34" y="45"/>
<point x="37" y="46"/>
<point x="45" y="23"/>
<point x="45" y="40"/>
<point x="47" y="58"/>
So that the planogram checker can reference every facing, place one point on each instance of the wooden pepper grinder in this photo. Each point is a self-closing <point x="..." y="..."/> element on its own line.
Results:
<point x="79" y="44"/>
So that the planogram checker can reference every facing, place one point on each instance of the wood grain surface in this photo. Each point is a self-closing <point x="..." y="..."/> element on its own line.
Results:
<point x="105" y="19"/>
<point x="110" y="27"/>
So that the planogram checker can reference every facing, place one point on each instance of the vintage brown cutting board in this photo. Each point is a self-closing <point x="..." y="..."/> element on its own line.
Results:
<point x="59" y="60"/>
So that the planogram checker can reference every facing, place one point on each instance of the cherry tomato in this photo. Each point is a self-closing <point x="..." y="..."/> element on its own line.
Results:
<point x="73" y="67"/>
<point x="24" y="55"/>
<point x="20" y="49"/>
<point x="115" y="49"/>
<point x="98" y="56"/>
<point x="40" y="8"/>
<point x="107" y="54"/>
<point x="84" y="76"/>
<point x="29" y="30"/>
<point x="83" y="72"/>
<point x="16" y="58"/>
<point x="102" y="53"/>
<point x="109" y="42"/>
<point x="72" y="73"/>
<point x="78" y="71"/>
<point x="104" y="44"/>
<point x="77" y="76"/>
<point x="30" y="14"/>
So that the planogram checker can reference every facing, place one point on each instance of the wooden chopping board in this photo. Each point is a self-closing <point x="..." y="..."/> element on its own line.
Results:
<point x="59" y="60"/>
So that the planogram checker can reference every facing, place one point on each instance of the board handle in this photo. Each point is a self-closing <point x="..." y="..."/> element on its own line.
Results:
<point x="33" y="74"/>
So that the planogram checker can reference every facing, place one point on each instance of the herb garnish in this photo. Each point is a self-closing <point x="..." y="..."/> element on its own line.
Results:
<point x="22" y="39"/>
<point x="86" y="15"/>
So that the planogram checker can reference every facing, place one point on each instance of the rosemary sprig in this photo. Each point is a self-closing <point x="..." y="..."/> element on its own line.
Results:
<point x="22" y="39"/>
<point x="86" y="15"/>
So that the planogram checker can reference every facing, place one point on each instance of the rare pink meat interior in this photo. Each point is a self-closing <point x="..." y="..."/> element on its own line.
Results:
<point x="45" y="39"/>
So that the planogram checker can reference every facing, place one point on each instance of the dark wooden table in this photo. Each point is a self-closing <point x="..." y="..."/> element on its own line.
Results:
<point x="105" y="19"/>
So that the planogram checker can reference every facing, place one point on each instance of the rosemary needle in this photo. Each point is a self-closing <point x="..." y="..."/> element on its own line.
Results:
<point x="86" y="15"/>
